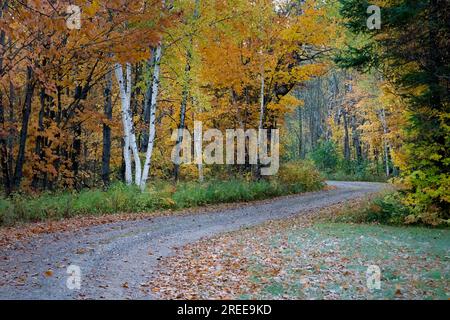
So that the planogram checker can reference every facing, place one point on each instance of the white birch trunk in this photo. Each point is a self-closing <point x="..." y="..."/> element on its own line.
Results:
<point x="126" y="130"/>
<point x="133" y="143"/>
<point x="129" y="136"/>
<point x="152" y="125"/>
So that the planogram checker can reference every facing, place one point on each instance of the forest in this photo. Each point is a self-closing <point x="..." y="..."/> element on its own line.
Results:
<point x="225" y="150"/>
<point x="94" y="95"/>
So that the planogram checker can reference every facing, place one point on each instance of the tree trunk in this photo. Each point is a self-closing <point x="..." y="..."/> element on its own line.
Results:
<point x="301" y="154"/>
<point x="26" y="111"/>
<point x="385" y="141"/>
<point x="185" y="96"/>
<point x="261" y="119"/>
<point x="76" y="154"/>
<point x="148" y="100"/>
<point x="132" y="135"/>
<point x="7" y="179"/>
<point x="106" y="153"/>
<point x="125" y="122"/>
<point x="4" y="150"/>
<point x="152" y="124"/>
<point x="356" y="140"/>
<point x="346" y="137"/>
<point x="11" y="134"/>
<point x="184" y="99"/>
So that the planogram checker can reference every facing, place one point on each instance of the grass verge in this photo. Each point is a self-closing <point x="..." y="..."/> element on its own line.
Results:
<point x="159" y="196"/>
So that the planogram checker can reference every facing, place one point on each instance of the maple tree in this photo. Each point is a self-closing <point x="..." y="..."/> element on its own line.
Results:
<point x="63" y="71"/>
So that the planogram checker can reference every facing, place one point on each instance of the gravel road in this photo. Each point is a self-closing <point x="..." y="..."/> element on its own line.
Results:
<point x="117" y="260"/>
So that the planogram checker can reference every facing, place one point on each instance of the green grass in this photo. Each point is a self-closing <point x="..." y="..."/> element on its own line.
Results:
<point x="159" y="196"/>
<point x="330" y="261"/>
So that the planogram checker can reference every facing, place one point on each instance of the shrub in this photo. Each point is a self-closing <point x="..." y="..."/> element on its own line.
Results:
<point x="300" y="177"/>
<point x="390" y="209"/>
<point x="325" y="156"/>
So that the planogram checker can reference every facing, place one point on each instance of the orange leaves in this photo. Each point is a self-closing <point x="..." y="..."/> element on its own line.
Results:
<point x="226" y="45"/>
<point x="254" y="40"/>
<point x="48" y="273"/>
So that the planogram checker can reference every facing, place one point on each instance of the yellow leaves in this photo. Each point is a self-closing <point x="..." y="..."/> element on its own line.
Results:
<point x="168" y="202"/>
<point x="285" y="104"/>
<point x="92" y="9"/>
<point x="306" y="72"/>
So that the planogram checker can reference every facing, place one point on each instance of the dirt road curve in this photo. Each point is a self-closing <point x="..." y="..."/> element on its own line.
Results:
<point x="116" y="260"/>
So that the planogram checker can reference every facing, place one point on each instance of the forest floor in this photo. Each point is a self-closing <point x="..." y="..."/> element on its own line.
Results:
<point x="253" y="250"/>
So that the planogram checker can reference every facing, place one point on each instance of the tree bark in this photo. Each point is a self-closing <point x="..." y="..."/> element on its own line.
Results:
<point x="152" y="120"/>
<point x="148" y="100"/>
<point x="184" y="99"/>
<point x="385" y="141"/>
<point x="125" y="123"/>
<point x="7" y="179"/>
<point x="262" y="112"/>
<point x="106" y="153"/>
<point x="4" y="150"/>
<point x="346" y="136"/>
<point x="301" y="149"/>
<point x="26" y="111"/>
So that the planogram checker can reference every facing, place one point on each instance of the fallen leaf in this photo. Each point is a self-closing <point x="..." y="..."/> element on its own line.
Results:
<point x="48" y="273"/>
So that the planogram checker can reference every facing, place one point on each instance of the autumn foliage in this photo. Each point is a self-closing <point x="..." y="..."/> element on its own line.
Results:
<point x="81" y="108"/>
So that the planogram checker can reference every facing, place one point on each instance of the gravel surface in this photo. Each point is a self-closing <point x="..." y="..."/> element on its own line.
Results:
<point x="117" y="260"/>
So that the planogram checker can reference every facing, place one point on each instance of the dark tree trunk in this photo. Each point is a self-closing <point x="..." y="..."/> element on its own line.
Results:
<point x="7" y="179"/>
<point x="183" y="107"/>
<point x="106" y="154"/>
<point x="346" y="137"/>
<point x="356" y="139"/>
<point x="76" y="154"/>
<point x="301" y="149"/>
<point x="186" y="89"/>
<point x="41" y="141"/>
<point x="12" y="133"/>
<point x="4" y="150"/>
<point x="26" y="111"/>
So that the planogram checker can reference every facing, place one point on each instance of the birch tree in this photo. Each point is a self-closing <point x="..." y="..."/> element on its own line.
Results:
<point x="152" y="124"/>
<point x="129" y="136"/>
